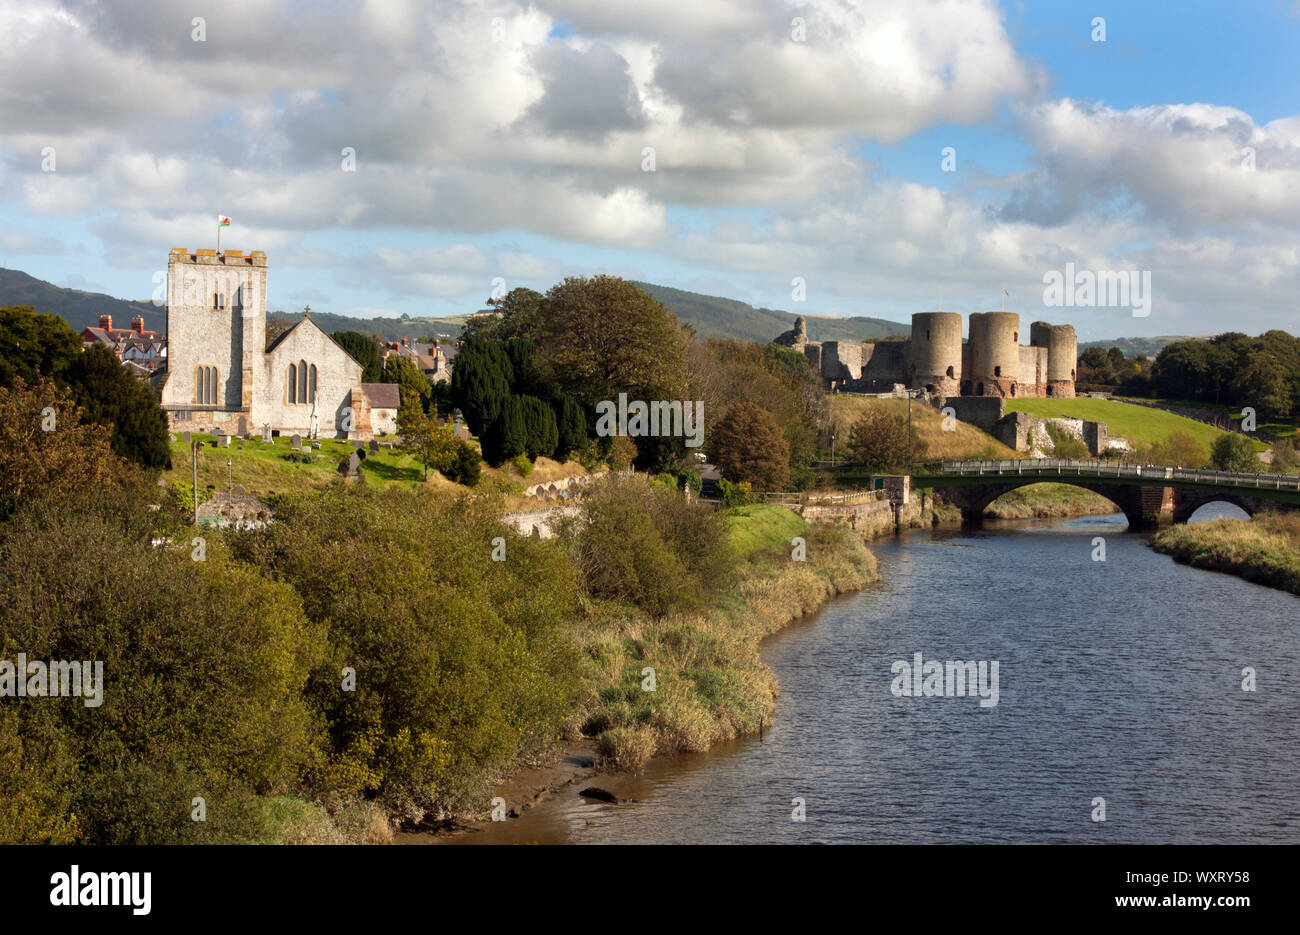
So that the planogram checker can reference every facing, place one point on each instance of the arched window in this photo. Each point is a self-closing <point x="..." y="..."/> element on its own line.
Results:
<point x="950" y="373"/>
<point x="311" y="384"/>
<point x="205" y="386"/>
<point x="302" y="381"/>
<point x="293" y="383"/>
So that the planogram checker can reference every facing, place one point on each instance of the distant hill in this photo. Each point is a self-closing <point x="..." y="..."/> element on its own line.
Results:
<point x="1134" y="347"/>
<point x="79" y="309"/>
<point x="716" y="317"/>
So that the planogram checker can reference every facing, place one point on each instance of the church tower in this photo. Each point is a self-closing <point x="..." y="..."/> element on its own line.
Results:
<point x="216" y="337"/>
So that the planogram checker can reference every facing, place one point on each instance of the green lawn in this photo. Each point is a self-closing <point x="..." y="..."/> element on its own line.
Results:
<point x="763" y="526"/>
<point x="1140" y="425"/>
<point x="262" y="470"/>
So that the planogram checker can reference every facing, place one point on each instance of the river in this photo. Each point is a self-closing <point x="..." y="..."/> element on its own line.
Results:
<point x="1119" y="680"/>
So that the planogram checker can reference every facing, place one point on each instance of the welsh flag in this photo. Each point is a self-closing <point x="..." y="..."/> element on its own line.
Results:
<point x="223" y="221"/>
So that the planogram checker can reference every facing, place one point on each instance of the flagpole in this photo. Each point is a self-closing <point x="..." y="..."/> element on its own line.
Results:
<point x="218" y="238"/>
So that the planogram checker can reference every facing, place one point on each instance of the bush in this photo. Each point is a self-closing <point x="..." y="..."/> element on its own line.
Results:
<point x="522" y="465"/>
<point x="645" y="545"/>
<point x="734" y="495"/>
<point x="299" y="457"/>
<point x="1065" y="445"/>
<point x="1232" y="452"/>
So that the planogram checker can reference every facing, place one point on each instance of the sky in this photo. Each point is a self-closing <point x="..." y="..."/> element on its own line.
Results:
<point x="825" y="157"/>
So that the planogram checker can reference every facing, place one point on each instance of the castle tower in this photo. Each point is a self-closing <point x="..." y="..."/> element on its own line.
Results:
<point x="1062" y="355"/>
<point x="216" y="336"/>
<point x="935" y="353"/>
<point x="994" y="354"/>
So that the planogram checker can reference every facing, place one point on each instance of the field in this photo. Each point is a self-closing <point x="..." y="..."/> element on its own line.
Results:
<point x="1140" y="425"/>
<point x="263" y="469"/>
<point x="965" y="441"/>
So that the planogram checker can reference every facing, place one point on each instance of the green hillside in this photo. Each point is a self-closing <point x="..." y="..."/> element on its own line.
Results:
<point x="79" y="309"/>
<point x="1140" y="425"/>
<point x="717" y="317"/>
<point x="1134" y="347"/>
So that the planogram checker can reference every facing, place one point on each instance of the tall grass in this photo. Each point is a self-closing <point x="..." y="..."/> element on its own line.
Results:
<point x="1265" y="549"/>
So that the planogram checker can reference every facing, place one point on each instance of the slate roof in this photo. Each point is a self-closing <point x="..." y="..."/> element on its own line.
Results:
<point x="382" y="395"/>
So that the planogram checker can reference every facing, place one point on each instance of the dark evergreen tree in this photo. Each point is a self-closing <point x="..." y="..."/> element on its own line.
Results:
<point x="111" y="395"/>
<point x="570" y="424"/>
<point x="365" y="350"/>
<point x="480" y="382"/>
<point x="507" y="436"/>
<point x="541" y="435"/>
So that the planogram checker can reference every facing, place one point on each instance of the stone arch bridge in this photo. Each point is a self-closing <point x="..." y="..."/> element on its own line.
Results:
<point x="1147" y="494"/>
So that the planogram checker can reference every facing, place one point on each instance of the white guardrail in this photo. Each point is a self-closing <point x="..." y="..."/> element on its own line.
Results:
<point x="1058" y="467"/>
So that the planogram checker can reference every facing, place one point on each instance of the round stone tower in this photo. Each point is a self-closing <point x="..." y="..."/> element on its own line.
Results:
<point x="936" y="353"/>
<point x="1062" y="354"/>
<point x="994" y="353"/>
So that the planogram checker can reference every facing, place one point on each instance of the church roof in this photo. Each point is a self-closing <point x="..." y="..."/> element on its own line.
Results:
<point x="382" y="395"/>
<point x="294" y="327"/>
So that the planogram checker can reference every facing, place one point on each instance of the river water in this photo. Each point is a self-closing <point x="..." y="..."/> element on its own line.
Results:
<point x="1119" y="680"/>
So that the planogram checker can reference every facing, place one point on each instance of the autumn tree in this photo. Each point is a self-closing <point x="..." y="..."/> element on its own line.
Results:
<point x="881" y="442"/>
<point x="747" y="444"/>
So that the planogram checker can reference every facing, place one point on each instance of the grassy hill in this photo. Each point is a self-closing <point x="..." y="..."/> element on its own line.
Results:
<point x="1141" y="425"/>
<point x="717" y="317"/>
<point x="79" y="309"/>
<point x="965" y="441"/>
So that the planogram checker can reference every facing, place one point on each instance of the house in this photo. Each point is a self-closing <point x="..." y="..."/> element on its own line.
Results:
<point x="146" y="348"/>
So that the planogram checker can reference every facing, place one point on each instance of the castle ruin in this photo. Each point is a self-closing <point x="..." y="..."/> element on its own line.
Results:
<point x="935" y="359"/>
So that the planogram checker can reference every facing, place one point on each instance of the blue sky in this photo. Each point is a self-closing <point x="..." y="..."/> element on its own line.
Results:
<point x="506" y="141"/>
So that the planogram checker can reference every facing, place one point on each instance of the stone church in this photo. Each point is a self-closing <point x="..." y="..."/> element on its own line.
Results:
<point x="221" y="375"/>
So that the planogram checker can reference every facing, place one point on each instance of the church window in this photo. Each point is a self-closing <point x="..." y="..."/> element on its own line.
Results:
<point x="293" y="383"/>
<point x="302" y="381"/>
<point x="205" y="386"/>
<point x="311" y="384"/>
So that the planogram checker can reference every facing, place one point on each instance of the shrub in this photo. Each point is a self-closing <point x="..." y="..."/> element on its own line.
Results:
<point x="1232" y="452"/>
<point x="522" y="464"/>
<point x="1065" y="445"/>
<point x="734" y="495"/>
<point x="748" y="445"/>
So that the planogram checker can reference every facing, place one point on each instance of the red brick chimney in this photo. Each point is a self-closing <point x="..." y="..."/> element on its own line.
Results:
<point x="137" y="324"/>
<point x="403" y="340"/>
<point x="106" y="322"/>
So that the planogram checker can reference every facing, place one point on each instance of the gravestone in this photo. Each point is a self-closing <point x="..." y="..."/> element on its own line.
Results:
<point x="374" y="447"/>
<point x="354" y="465"/>
<point x="315" y="446"/>
<point x="266" y="433"/>
<point x="185" y="435"/>
<point x="239" y="489"/>
<point x="295" y="441"/>
<point x="225" y="440"/>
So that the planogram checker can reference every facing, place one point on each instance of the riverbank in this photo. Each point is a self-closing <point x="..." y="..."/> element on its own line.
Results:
<point x="1265" y="550"/>
<point x="1049" y="501"/>
<point x="683" y="682"/>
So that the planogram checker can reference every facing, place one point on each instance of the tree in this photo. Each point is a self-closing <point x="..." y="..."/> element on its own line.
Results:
<point x="365" y="351"/>
<point x="518" y="315"/>
<point x="570" y="424"/>
<point x="880" y="442"/>
<point x="603" y="335"/>
<point x="433" y="445"/>
<point x="747" y="444"/>
<point x="480" y="382"/>
<point x="112" y="396"/>
<point x="412" y="384"/>
<point x="539" y="428"/>
<point x="34" y="346"/>
<point x="1180" y="450"/>
<point x="1233" y="452"/>
<point x="46" y="452"/>
<point x="508" y="435"/>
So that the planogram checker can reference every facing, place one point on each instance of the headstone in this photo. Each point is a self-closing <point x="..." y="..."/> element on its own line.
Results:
<point x="315" y="446"/>
<point x="239" y="489"/>
<point x="295" y="441"/>
<point x="354" y="465"/>
<point x="224" y="440"/>
<point x="374" y="447"/>
<point x="171" y="436"/>
<point x="266" y="433"/>
<point x="243" y="426"/>
<point x="185" y="435"/>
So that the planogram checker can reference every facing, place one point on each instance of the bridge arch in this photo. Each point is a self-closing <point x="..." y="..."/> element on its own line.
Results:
<point x="974" y="499"/>
<point x="1188" y="502"/>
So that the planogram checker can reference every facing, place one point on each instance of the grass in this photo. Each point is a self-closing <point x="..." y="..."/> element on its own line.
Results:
<point x="1265" y="549"/>
<point x="964" y="442"/>
<point x="1049" y="500"/>
<point x="763" y="527"/>
<point x="1141" y="426"/>
<point x="262" y="470"/>
<point x="711" y="685"/>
